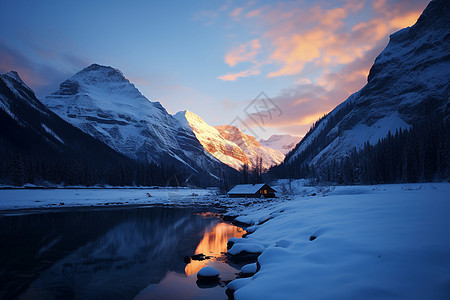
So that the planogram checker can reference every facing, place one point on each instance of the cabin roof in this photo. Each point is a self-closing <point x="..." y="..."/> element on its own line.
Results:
<point x="246" y="188"/>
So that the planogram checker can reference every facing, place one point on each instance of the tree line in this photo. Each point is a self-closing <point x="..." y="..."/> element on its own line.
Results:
<point x="17" y="169"/>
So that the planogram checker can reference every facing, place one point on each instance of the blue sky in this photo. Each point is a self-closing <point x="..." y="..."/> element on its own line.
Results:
<point x="210" y="57"/>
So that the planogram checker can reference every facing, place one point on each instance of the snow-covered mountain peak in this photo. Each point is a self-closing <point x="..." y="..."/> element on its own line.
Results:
<point x="228" y="144"/>
<point x="14" y="75"/>
<point x="14" y="84"/>
<point x="102" y="102"/>
<point x="226" y="151"/>
<point x="97" y="79"/>
<point x="103" y="73"/>
<point x="192" y="120"/>
<point x="13" y="78"/>
<point x="251" y="147"/>
<point x="281" y="142"/>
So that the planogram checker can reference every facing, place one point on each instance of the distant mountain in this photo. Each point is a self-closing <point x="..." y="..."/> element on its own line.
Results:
<point x="37" y="145"/>
<point x="103" y="103"/>
<point x="251" y="147"/>
<point x="408" y="82"/>
<point x="283" y="143"/>
<point x="228" y="144"/>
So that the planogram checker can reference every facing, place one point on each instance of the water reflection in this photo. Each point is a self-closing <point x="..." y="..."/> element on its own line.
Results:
<point x="185" y="286"/>
<point x="214" y="243"/>
<point x="94" y="254"/>
<point x="111" y="254"/>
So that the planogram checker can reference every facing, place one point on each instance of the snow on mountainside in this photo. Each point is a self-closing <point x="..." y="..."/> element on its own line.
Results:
<point x="234" y="149"/>
<point x="210" y="138"/>
<point x="102" y="102"/>
<point x="283" y="143"/>
<point x="28" y="114"/>
<point x="28" y="127"/>
<point x="14" y="87"/>
<point x="408" y="82"/>
<point x="251" y="147"/>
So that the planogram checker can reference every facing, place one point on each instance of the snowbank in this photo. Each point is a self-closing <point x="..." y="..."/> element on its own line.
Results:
<point x="79" y="197"/>
<point x="372" y="242"/>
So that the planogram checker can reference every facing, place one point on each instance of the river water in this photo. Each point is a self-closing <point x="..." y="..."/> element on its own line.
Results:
<point x="120" y="253"/>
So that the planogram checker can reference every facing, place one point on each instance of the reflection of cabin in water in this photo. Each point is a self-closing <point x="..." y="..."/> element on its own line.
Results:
<point x="252" y="191"/>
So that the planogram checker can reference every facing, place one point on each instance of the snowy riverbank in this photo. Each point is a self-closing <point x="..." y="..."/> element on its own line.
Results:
<point x="82" y="197"/>
<point x="345" y="242"/>
<point x="355" y="242"/>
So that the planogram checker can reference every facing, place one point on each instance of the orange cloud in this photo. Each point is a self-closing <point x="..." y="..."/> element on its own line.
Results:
<point x="405" y="20"/>
<point x="322" y="39"/>
<point x="243" y="53"/>
<point x="301" y="35"/>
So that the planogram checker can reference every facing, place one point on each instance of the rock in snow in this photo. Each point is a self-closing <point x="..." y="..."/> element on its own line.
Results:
<point x="249" y="269"/>
<point x="208" y="274"/>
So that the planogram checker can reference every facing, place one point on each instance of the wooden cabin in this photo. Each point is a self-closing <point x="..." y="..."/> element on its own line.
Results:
<point x="252" y="191"/>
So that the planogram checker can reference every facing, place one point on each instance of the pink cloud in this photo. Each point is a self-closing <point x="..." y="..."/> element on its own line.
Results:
<point x="254" y="13"/>
<point x="243" y="53"/>
<point x="236" y="12"/>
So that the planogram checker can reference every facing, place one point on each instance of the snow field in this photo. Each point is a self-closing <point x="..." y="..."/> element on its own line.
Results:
<point x="372" y="242"/>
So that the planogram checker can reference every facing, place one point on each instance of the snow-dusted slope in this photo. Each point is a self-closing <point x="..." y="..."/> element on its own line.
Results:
<point x="102" y="102"/>
<point x="228" y="144"/>
<point x="251" y="147"/>
<point x="407" y="83"/>
<point x="15" y="92"/>
<point x="283" y="143"/>
<point x="210" y="138"/>
<point x="28" y="127"/>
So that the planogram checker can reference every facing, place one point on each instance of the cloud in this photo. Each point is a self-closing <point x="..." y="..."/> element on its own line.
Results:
<point x="42" y="78"/>
<point x="243" y="53"/>
<point x="321" y="34"/>
<point x="236" y="12"/>
<point x="254" y="13"/>
<point x="305" y="102"/>
<point x="336" y="41"/>
<point x="234" y="76"/>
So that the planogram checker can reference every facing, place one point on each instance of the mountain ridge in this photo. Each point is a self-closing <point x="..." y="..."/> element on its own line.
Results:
<point x="103" y="103"/>
<point x="407" y="82"/>
<point x="234" y="149"/>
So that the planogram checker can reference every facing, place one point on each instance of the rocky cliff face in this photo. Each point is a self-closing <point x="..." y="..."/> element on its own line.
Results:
<point x="408" y="82"/>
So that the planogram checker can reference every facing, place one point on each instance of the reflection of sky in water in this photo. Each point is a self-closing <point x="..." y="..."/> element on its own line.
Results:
<point x="214" y="242"/>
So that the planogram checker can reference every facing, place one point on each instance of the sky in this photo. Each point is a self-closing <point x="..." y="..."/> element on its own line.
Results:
<point x="268" y="67"/>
